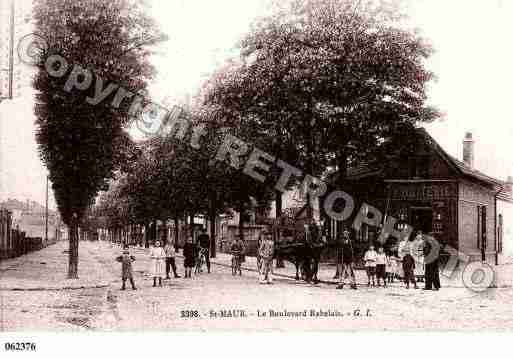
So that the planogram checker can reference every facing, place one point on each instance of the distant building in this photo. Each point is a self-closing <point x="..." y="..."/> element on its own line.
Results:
<point x="30" y="217"/>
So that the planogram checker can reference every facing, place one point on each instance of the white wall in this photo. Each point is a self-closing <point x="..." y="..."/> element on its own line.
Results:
<point x="506" y="209"/>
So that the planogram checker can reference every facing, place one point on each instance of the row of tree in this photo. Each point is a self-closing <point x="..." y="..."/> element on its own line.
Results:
<point x="320" y="84"/>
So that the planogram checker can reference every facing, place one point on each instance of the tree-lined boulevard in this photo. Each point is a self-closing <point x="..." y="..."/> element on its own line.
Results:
<point x="94" y="301"/>
<point x="320" y="85"/>
<point x="318" y="88"/>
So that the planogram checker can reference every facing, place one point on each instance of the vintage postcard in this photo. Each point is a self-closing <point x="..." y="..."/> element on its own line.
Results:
<point x="256" y="165"/>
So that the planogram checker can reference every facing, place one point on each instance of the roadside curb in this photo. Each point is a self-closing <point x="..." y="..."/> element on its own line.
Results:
<point x="53" y="288"/>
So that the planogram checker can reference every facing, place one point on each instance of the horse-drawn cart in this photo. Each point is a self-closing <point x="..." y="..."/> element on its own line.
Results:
<point x="300" y="242"/>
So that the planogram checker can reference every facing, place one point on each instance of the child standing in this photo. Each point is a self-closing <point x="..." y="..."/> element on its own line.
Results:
<point x="126" y="267"/>
<point x="370" y="265"/>
<point x="391" y="267"/>
<point x="189" y="257"/>
<point x="408" y="267"/>
<point x="417" y="251"/>
<point x="158" y="263"/>
<point x="381" y="260"/>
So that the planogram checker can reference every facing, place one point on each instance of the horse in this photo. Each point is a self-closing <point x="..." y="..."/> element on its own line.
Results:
<point x="304" y="251"/>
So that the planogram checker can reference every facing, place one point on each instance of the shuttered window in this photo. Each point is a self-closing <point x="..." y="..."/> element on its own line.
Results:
<point x="481" y="227"/>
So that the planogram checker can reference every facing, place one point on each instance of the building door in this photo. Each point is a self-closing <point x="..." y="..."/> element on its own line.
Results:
<point x="422" y="219"/>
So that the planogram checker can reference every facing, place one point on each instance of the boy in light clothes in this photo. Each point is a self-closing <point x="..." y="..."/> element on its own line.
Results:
<point x="391" y="267"/>
<point x="370" y="265"/>
<point x="381" y="259"/>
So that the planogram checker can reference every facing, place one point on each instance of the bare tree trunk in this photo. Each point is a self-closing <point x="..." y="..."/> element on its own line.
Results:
<point x="177" y="232"/>
<point x="241" y="222"/>
<point x="192" y="225"/>
<point x="279" y="210"/>
<point x="213" y="227"/>
<point x="164" y="230"/>
<point x="241" y="228"/>
<point x="146" y="235"/>
<point x="154" y="231"/>
<point x="213" y="235"/>
<point x="73" y="250"/>
<point x="342" y="174"/>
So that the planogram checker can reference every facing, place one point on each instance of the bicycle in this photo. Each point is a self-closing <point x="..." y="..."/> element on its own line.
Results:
<point x="200" y="260"/>
<point x="236" y="263"/>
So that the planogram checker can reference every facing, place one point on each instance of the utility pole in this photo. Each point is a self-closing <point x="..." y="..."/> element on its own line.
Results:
<point x="11" y="50"/>
<point x="10" y="69"/>
<point x="46" y="211"/>
<point x="10" y="74"/>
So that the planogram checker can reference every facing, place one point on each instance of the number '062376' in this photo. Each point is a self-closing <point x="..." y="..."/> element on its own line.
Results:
<point x="20" y="346"/>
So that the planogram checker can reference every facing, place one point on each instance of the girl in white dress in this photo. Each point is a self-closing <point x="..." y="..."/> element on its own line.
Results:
<point x="158" y="263"/>
<point x="417" y="251"/>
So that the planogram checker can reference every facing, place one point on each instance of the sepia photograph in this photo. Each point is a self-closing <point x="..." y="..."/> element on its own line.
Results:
<point x="235" y="166"/>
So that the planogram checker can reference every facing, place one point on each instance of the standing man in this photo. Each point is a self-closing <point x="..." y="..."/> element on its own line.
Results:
<point x="339" y="241"/>
<point x="170" y="259"/>
<point x="432" y="255"/>
<point x="347" y="262"/>
<point x="204" y="243"/>
<point x="266" y="252"/>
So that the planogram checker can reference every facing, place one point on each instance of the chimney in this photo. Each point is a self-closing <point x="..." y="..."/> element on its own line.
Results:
<point x="468" y="150"/>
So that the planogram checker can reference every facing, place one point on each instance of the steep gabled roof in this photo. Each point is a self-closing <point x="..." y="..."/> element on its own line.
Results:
<point x="458" y="165"/>
<point x="364" y="170"/>
<point x="475" y="173"/>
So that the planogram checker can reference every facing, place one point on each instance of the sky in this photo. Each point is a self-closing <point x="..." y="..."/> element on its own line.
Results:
<point x="472" y="63"/>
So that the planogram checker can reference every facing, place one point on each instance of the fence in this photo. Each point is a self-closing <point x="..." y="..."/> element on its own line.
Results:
<point x="5" y="233"/>
<point x="13" y="242"/>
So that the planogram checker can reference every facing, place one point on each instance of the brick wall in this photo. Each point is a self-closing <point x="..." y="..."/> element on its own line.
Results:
<point x="470" y="197"/>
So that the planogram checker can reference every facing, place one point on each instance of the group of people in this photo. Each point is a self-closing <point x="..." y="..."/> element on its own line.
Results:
<point x="163" y="260"/>
<point x="379" y="266"/>
<point x="383" y="268"/>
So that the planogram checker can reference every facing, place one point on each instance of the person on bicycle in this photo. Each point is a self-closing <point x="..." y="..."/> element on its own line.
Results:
<point x="237" y="252"/>
<point x="204" y="246"/>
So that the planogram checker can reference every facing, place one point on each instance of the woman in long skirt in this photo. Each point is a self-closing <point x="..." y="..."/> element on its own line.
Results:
<point x="158" y="263"/>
